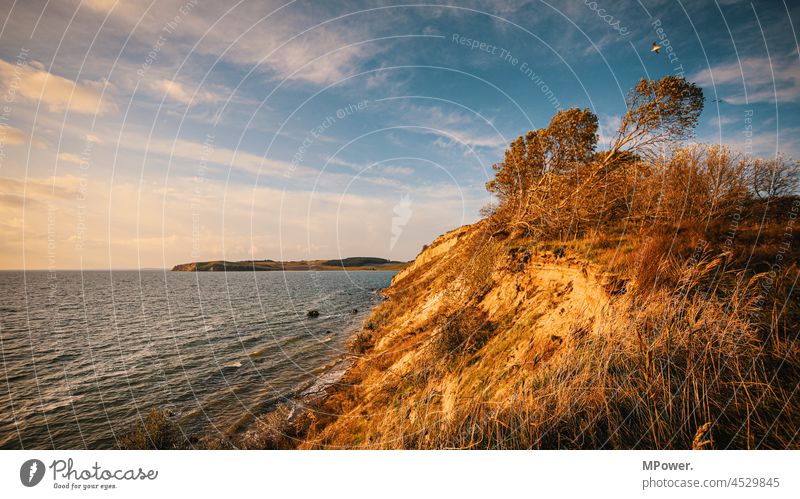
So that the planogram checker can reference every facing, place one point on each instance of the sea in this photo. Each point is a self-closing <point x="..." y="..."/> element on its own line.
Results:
<point x="84" y="355"/>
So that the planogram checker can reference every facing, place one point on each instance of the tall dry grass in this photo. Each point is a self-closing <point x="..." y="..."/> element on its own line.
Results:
<point x="693" y="367"/>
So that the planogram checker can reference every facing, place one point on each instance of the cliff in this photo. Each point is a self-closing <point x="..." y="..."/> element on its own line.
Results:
<point x="493" y="341"/>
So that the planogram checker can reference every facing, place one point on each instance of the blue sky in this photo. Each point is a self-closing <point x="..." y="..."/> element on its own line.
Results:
<point x="140" y="134"/>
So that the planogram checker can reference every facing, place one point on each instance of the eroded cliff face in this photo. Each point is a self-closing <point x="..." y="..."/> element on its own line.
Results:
<point x="493" y="340"/>
<point x="185" y="267"/>
<point x="465" y="327"/>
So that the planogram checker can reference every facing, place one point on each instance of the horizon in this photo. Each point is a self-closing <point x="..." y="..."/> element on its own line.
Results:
<point x="169" y="268"/>
<point x="134" y="137"/>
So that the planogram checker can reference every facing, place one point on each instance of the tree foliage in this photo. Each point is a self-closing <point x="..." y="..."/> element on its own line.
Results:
<point x="774" y="177"/>
<point x="568" y="142"/>
<point x="659" y="112"/>
<point x="553" y="180"/>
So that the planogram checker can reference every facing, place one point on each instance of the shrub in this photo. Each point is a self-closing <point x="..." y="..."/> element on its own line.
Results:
<point x="363" y="341"/>
<point x="157" y="430"/>
<point x="464" y="331"/>
<point x="276" y="430"/>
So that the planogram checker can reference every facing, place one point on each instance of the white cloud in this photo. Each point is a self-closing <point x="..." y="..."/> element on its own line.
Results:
<point x="128" y="224"/>
<point x="607" y="129"/>
<point x="12" y="136"/>
<point x="179" y="92"/>
<point x="33" y="83"/>
<point x="102" y="5"/>
<point x="448" y="137"/>
<point x="455" y="128"/>
<point x="211" y="153"/>
<point x="273" y="43"/>
<point x="69" y="158"/>
<point x="753" y="79"/>
<point x="722" y="121"/>
<point x="397" y="170"/>
<point x="347" y="164"/>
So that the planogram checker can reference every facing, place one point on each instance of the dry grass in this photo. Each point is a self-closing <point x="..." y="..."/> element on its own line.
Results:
<point x="685" y="369"/>
<point x="698" y="353"/>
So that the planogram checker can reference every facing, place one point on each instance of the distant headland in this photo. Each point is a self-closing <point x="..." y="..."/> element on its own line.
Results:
<point x="351" y="263"/>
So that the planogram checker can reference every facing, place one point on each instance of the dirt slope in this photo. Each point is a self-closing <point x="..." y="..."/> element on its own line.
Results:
<point x="532" y="307"/>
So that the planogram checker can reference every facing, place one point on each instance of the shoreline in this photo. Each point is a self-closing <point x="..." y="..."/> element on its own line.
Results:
<point x="314" y="394"/>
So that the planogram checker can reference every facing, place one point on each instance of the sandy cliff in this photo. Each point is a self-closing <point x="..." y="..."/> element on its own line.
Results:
<point x="494" y="341"/>
<point x="533" y="306"/>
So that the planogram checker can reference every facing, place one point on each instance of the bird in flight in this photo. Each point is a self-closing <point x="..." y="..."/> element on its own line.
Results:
<point x="655" y="48"/>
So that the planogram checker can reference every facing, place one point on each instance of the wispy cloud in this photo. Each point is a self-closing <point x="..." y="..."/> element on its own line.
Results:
<point x="101" y="5"/>
<point x="33" y="83"/>
<point x="182" y="93"/>
<point x="397" y="170"/>
<point x="34" y="191"/>
<point x="454" y="128"/>
<point x="12" y="136"/>
<point x="229" y="158"/>
<point x="69" y="158"/>
<point x="753" y="80"/>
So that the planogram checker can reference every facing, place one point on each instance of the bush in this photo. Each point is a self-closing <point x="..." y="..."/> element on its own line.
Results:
<point x="157" y="431"/>
<point x="363" y="341"/>
<point x="464" y="331"/>
<point x="276" y="430"/>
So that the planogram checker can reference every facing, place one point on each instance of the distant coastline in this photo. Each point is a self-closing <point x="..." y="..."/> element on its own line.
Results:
<point x="351" y="263"/>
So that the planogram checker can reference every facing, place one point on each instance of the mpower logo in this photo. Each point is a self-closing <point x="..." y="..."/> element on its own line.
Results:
<point x="31" y="472"/>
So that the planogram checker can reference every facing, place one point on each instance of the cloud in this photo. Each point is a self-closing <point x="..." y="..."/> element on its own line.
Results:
<point x="607" y="129"/>
<point x="721" y="121"/>
<point x="69" y="158"/>
<point x="35" y="191"/>
<point x="329" y="51"/>
<point x="101" y="5"/>
<point x="348" y="164"/>
<point x="448" y="137"/>
<point x="10" y="136"/>
<point x="327" y="68"/>
<point x="33" y="83"/>
<point x="211" y="153"/>
<point x="397" y="170"/>
<point x="179" y="92"/>
<point x="123" y="225"/>
<point x="455" y="128"/>
<point x="750" y="80"/>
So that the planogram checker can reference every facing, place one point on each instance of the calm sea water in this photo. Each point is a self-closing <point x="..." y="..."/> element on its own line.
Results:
<point x="82" y="354"/>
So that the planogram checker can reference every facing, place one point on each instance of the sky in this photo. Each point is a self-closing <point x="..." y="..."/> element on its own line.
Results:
<point x="143" y="134"/>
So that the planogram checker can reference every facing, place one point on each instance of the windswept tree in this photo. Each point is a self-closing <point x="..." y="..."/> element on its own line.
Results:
<point x="567" y="143"/>
<point x="552" y="180"/>
<point x="659" y="112"/>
